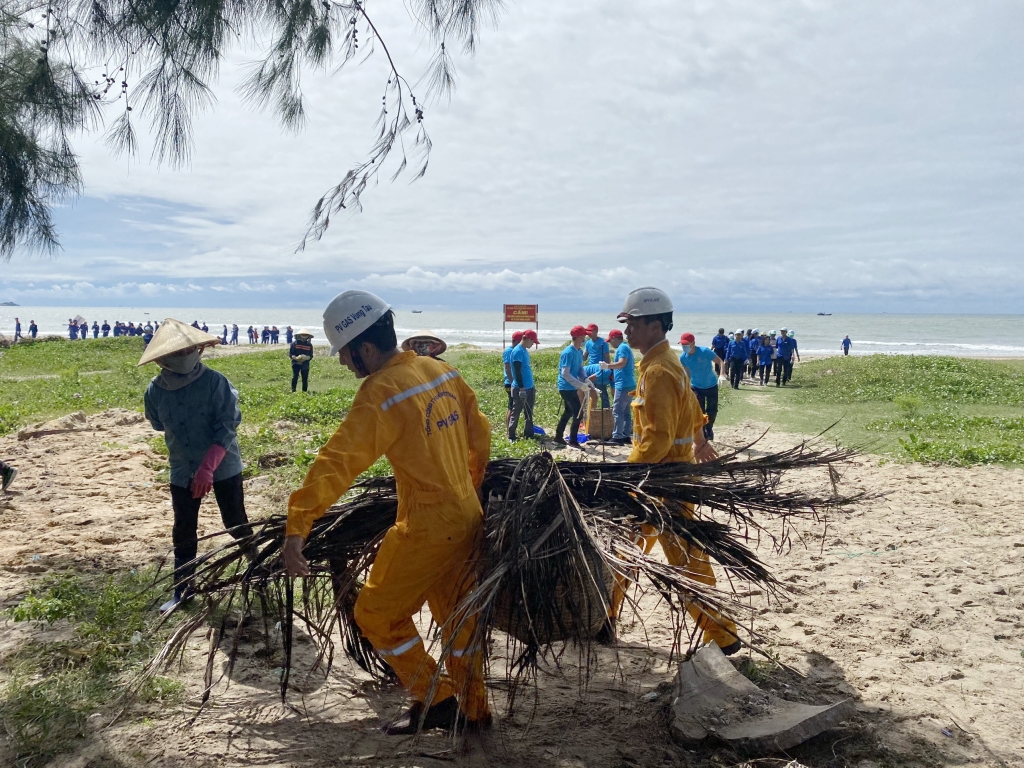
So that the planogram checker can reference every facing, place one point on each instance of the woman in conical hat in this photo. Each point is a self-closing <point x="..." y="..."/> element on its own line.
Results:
<point x="197" y="410"/>
<point x="425" y="344"/>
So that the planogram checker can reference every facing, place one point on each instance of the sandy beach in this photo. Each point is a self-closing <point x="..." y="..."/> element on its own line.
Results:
<point x="912" y="604"/>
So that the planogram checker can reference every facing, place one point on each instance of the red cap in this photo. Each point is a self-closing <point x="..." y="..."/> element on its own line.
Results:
<point x="577" y="330"/>
<point x="517" y="336"/>
<point x="614" y="333"/>
<point x="686" y="339"/>
<point x="531" y="334"/>
<point x="592" y="328"/>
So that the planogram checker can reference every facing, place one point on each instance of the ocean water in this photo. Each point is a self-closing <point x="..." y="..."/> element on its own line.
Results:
<point x="904" y="334"/>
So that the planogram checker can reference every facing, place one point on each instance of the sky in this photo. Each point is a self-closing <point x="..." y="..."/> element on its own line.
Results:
<point x="794" y="155"/>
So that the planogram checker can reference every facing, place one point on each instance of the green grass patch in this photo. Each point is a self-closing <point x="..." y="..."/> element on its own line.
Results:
<point x="935" y="409"/>
<point x="947" y="409"/>
<point x="53" y="688"/>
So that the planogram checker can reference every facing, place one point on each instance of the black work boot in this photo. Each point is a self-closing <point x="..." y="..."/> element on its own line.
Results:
<point x="443" y="714"/>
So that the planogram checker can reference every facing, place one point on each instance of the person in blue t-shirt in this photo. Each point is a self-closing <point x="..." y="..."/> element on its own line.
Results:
<point x="573" y="387"/>
<point x="720" y="343"/>
<point x="623" y="369"/>
<point x="33" y="329"/>
<point x="524" y="394"/>
<point x="846" y="344"/>
<point x="72" y="329"/>
<point x="703" y="366"/>
<point x="737" y="355"/>
<point x="600" y="377"/>
<point x="765" y="352"/>
<point x="754" y="342"/>
<point x="595" y="352"/>
<point x="506" y="362"/>
<point x="785" y="346"/>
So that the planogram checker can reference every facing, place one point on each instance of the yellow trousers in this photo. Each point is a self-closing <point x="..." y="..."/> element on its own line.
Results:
<point x="427" y="557"/>
<point x="695" y="563"/>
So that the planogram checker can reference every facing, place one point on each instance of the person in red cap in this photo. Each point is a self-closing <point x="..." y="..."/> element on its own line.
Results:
<point x="624" y="378"/>
<point x="702" y="364"/>
<point x="523" y="393"/>
<point x="595" y="352"/>
<point x="506" y="359"/>
<point x="573" y="386"/>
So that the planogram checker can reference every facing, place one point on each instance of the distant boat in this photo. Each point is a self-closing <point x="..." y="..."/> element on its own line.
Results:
<point x="824" y="314"/>
<point x="417" y="311"/>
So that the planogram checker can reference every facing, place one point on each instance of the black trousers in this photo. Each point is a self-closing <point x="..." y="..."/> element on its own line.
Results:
<point x="231" y="501"/>
<point x="572" y="411"/>
<point x="708" y="399"/>
<point x="296" y="370"/>
<point x="736" y="368"/>
<point x="783" y="371"/>
<point x="766" y="372"/>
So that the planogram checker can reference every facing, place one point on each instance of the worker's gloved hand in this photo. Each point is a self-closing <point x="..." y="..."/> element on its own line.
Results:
<point x="604" y="365"/>
<point x="202" y="480"/>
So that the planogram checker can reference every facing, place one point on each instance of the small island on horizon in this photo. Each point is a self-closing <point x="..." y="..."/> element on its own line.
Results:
<point x="9" y="304"/>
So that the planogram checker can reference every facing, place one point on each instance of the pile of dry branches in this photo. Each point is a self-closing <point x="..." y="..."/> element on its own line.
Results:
<point x="557" y="535"/>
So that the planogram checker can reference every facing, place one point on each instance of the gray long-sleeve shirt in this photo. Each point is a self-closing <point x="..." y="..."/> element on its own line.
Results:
<point x="192" y="419"/>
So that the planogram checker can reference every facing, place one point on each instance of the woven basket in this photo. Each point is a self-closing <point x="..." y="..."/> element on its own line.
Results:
<point x="599" y="422"/>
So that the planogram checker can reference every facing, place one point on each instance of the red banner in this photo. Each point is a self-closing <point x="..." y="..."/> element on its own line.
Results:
<point x="520" y="313"/>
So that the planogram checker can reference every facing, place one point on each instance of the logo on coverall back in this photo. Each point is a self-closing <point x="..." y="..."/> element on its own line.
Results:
<point x="441" y="422"/>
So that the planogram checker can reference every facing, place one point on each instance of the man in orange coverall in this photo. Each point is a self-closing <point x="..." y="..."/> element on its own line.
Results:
<point x="668" y="426"/>
<point x="423" y="416"/>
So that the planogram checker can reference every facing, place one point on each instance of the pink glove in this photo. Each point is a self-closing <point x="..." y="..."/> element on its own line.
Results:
<point x="202" y="480"/>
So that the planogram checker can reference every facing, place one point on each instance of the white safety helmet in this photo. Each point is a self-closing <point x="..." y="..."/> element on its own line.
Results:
<point x="645" y="301"/>
<point x="739" y="332"/>
<point x="784" y="329"/>
<point x="755" y="331"/>
<point x="349" y="314"/>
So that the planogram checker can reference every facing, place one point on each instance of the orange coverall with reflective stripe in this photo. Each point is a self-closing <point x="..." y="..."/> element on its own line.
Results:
<point x="666" y="416"/>
<point x="419" y="413"/>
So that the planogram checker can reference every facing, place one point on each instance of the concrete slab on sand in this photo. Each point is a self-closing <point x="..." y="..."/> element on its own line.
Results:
<point x="713" y="699"/>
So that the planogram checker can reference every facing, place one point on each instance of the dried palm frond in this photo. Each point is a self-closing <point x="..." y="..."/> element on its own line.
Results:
<point x="557" y="534"/>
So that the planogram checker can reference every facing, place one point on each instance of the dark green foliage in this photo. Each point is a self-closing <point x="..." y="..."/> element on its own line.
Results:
<point x="159" y="60"/>
<point x="43" y="101"/>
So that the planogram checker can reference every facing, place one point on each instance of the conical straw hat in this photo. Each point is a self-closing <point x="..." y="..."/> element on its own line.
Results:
<point x="173" y="336"/>
<point x="439" y="344"/>
<point x="302" y="332"/>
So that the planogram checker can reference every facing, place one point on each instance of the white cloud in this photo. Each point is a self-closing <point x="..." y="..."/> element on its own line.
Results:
<point x="787" y="152"/>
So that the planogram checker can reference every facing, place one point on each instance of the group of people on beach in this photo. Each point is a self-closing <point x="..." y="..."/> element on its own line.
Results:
<point x="419" y="412"/>
<point x="591" y="365"/>
<point x="759" y="356"/>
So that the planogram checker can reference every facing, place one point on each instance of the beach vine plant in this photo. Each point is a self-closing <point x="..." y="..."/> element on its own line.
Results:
<point x="65" y="65"/>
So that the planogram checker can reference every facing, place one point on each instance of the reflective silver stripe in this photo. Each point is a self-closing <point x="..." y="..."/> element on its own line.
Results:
<point x="463" y="652"/>
<point x="395" y="399"/>
<point x="682" y="441"/>
<point x="638" y="401"/>
<point x="408" y="645"/>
